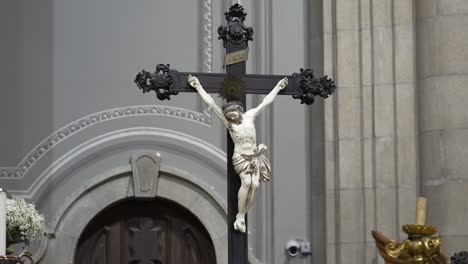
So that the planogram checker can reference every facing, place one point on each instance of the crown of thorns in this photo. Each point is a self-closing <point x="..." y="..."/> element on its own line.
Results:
<point x="233" y="106"/>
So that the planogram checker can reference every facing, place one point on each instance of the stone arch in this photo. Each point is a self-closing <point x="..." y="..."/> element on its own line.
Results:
<point x="173" y="185"/>
<point x="96" y="173"/>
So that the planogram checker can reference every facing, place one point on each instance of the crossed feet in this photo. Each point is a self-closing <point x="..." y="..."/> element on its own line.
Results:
<point x="239" y="224"/>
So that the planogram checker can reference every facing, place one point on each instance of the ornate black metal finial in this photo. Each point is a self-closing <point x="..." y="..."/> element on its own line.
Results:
<point x="309" y="86"/>
<point x="459" y="258"/>
<point x="235" y="31"/>
<point x="161" y="81"/>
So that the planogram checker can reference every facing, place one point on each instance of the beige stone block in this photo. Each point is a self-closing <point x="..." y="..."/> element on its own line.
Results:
<point x="443" y="102"/>
<point x="214" y="219"/>
<point x="383" y="55"/>
<point x="406" y="121"/>
<point x="368" y="162"/>
<point x="328" y="17"/>
<point x="430" y="106"/>
<point x="407" y="161"/>
<point x="60" y="248"/>
<point x="426" y="8"/>
<point x="427" y="34"/>
<point x="221" y="248"/>
<point x="328" y="59"/>
<point x="354" y="253"/>
<point x="447" y="207"/>
<point x="331" y="253"/>
<point x="366" y="57"/>
<point x="371" y="252"/>
<point x="347" y="58"/>
<point x="329" y="119"/>
<point x="453" y="7"/>
<point x="386" y="209"/>
<point x="175" y="189"/>
<point x="78" y="216"/>
<point x="330" y="163"/>
<point x="384" y="112"/>
<point x="331" y="214"/>
<point x="351" y="216"/>
<point x="403" y="12"/>
<point x="404" y="54"/>
<point x="107" y="194"/>
<point x="432" y="158"/>
<point x="366" y="14"/>
<point x="349" y="113"/>
<point x="453" y="94"/>
<point x="385" y="162"/>
<point x="452" y="42"/>
<point x="382" y="13"/>
<point x="369" y="212"/>
<point x="347" y="14"/>
<point x="350" y="169"/>
<point x="406" y="214"/>
<point x="367" y="112"/>
<point x="456" y="153"/>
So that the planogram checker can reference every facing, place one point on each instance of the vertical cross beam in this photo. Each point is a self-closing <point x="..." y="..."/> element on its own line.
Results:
<point x="235" y="36"/>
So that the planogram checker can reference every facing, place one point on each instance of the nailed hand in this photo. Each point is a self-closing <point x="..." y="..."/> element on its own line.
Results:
<point x="283" y="83"/>
<point x="193" y="81"/>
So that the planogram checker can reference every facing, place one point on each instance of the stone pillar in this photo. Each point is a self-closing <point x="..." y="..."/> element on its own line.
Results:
<point x="442" y="60"/>
<point x="370" y="125"/>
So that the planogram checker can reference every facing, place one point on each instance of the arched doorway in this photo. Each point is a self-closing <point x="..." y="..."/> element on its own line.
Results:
<point x="145" y="232"/>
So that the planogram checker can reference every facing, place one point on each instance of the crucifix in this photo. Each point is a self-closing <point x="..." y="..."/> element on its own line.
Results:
<point x="246" y="162"/>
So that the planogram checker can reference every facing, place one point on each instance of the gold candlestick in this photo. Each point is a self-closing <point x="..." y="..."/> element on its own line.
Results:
<point x="421" y="247"/>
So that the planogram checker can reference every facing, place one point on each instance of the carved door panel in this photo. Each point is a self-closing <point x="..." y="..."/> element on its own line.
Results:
<point x="136" y="232"/>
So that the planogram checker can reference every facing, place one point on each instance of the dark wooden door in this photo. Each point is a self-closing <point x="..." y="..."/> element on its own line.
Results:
<point x="145" y="232"/>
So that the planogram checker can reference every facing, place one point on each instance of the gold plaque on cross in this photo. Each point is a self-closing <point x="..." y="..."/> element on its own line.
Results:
<point x="235" y="57"/>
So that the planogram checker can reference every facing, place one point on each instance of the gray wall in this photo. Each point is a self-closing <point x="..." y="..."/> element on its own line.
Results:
<point x="74" y="84"/>
<point x="11" y="30"/>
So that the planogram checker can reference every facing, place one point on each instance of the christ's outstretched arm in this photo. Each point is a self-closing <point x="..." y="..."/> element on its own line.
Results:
<point x="269" y="98"/>
<point x="195" y="83"/>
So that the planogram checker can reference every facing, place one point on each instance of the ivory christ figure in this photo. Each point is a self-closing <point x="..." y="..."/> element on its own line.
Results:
<point x="249" y="160"/>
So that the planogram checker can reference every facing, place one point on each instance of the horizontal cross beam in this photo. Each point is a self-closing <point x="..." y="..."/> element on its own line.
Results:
<point x="166" y="82"/>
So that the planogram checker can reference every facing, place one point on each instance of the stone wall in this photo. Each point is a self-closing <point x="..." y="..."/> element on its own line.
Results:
<point x="442" y="52"/>
<point x="370" y="125"/>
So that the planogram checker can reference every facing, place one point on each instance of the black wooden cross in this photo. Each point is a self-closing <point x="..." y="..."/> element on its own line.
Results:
<point x="235" y="35"/>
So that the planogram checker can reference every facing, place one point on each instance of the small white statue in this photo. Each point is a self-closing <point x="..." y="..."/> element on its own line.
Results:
<point x="248" y="159"/>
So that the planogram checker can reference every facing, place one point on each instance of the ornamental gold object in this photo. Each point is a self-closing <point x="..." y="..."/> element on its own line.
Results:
<point x="421" y="247"/>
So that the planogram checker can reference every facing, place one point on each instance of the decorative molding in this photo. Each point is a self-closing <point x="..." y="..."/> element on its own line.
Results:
<point x="235" y="31"/>
<point x="310" y="86"/>
<point x="161" y="81"/>
<point x="74" y="127"/>
<point x="145" y="168"/>
<point x="207" y="46"/>
<point x="207" y="23"/>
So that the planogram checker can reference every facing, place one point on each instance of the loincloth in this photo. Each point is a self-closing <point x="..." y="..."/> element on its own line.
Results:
<point x="256" y="163"/>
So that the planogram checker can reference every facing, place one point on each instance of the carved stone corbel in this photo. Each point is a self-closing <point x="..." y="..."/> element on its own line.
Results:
<point x="145" y="168"/>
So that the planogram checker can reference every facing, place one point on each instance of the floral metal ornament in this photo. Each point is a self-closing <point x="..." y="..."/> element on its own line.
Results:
<point x="232" y="89"/>
<point x="161" y="81"/>
<point x="235" y="31"/>
<point x="309" y="86"/>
